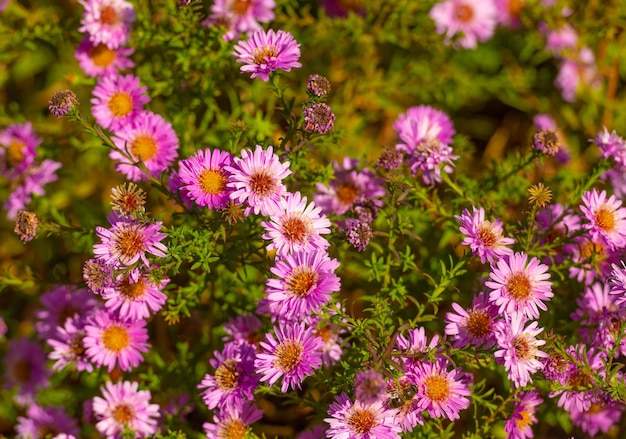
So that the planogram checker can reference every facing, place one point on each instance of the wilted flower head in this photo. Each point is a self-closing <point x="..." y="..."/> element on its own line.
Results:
<point x="540" y="195"/>
<point x="358" y="233"/>
<point x="318" y="118"/>
<point x="26" y="224"/>
<point x="62" y="102"/>
<point x="98" y="275"/>
<point x="546" y="141"/>
<point x="128" y="199"/>
<point x="264" y="53"/>
<point x="317" y="86"/>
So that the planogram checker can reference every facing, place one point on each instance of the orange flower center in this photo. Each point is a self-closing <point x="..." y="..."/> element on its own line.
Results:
<point x="486" y="235"/>
<point x="108" y="16"/>
<point x="288" y="355"/>
<point x="262" y="184"/>
<point x="144" y="147"/>
<point x="605" y="219"/>
<point x="240" y="7"/>
<point x="115" y="338"/>
<point x="233" y="429"/>
<point x="479" y="323"/>
<point x="212" y="182"/>
<point x="463" y="12"/>
<point x="523" y="349"/>
<point x="260" y="55"/>
<point x="133" y="291"/>
<point x="347" y="193"/>
<point x="295" y="230"/>
<point x="227" y="375"/>
<point x="101" y="55"/>
<point x="518" y="286"/>
<point x="525" y="420"/>
<point x="120" y="104"/>
<point x="437" y="388"/>
<point x="22" y="371"/>
<point x="15" y="152"/>
<point x="324" y="333"/>
<point x="301" y="280"/>
<point x="361" y="420"/>
<point x="130" y="243"/>
<point x="123" y="413"/>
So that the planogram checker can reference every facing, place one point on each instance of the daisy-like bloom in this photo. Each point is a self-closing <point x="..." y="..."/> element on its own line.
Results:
<point x="118" y="100"/>
<point x="360" y="420"/>
<point x="26" y="225"/>
<point x="484" y="237"/>
<point x="110" y="341"/>
<point x="305" y="282"/>
<point x="519" y="349"/>
<point x="62" y="102"/>
<point x="44" y="422"/>
<point x="546" y="122"/>
<point x="602" y="414"/>
<point x="331" y="335"/>
<point x="317" y="432"/>
<point x="234" y="379"/>
<point x="244" y="328"/>
<point x="575" y="73"/>
<point x="293" y="355"/>
<point x="509" y="12"/>
<point x="470" y="20"/>
<point x="204" y="177"/>
<point x="317" y="86"/>
<point x="25" y="369"/>
<point x="18" y="144"/>
<point x="475" y="326"/>
<point x="59" y="304"/>
<point x="256" y="179"/>
<point x="295" y="226"/>
<point x="318" y="118"/>
<point x="264" y="53"/>
<point x="617" y="283"/>
<point x="128" y="241"/>
<point x="369" y="386"/>
<point x="592" y="259"/>
<point x="68" y="348"/>
<point x="358" y="233"/>
<point x="348" y="186"/>
<point x="519" y="425"/>
<point x="414" y="345"/>
<point x="135" y="295"/>
<point x="443" y="392"/>
<point x="240" y="16"/>
<point x="124" y="406"/>
<point x="30" y="182"/>
<point x="233" y="420"/>
<point x="519" y="285"/>
<point x="107" y="21"/>
<point x="99" y="60"/>
<point x="613" y="146"/>
<point x="128" y="199"/>
<point x="606" y="218"/>
<point x="98" y="275"/>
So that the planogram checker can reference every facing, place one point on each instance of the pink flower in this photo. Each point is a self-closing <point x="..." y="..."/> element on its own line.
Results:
<point x="443" y="392"/>
<point x="233" y="420"/>
<point x="485" y="238"/>
<point x="474" y="20"/>
<point x="204" y="178"/>
<point x="240" y="16"/>
<point x="360" y="420"/>
<point x="107" y="21"/>
<point x="264" y="53"/>
<point x="118" y="100"/>
<point x="42" y="422"/>
<point x="475" y="326"/>
<point x="68" y="349"/>
<point x="135" y="296"/>
<point x="518" y="426"/>
<point x="25" y="369"/>
<point x="18" y="148"/>
<point x="99" y="60"/>
<point x="606" y="218"/>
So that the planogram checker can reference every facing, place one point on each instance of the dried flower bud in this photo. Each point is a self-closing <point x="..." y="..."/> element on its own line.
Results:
<point x="233" y="213"/>
<point x="547" y="142"/>
<point x="318" y="86"/>
<point x="62" y="102"/>
<point x="539" y="195"/>
<point x="358" y="233"/>
<point x="26" y="224"/>
<point x="97" y="275"/>
<point x="390" y="159"/>
<point x="128" y="200"/>
<point x="365" y="210"/>
<point x="318" y="118"/>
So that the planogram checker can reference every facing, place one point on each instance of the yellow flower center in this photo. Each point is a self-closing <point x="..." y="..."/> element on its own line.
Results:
<point x="260" y="55"/>
<point x="115" y="338"/>
<point x="123" y="413"/>
<point x="479" y="323"/>
<point x="120" y="104"/>
<point x="525" y="420"/>
<point x="518" y="286"/>
<point x="486" y="235"/>
<point x="605" y="219"/>
<point x="295" y="230"/>
<point x="144" y="147"/>
<point x="212" y="182"/>
<point x="233" y="429"/>
<point x="227" y="375"/>
<point x="361" y="421"/>
<point x="101" y="55"/>
<point x="301" y="280"/>
<point x="437" y="388"/>
<point x="288" y="355"/>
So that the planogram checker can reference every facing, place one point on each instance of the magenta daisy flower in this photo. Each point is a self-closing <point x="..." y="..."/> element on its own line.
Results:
<point x="256" y="179"/>
<point x="293" y="355"/>
<point x="295" y="226"/>
<point x="416" y="343"/>
<point x="244" y="328"/>
<point x="518" y="426"/>
<point x="602" y="414"/>
<point x="612" y="146"/>
<point x="30" y="182"/>
<point x="107" y="21"/>
<point x="118" y="100"/>
<point x="234" y="379"/>
<point x="484" y="237"/>
<point x="123" y="407"/>
<point x="240" y="16"/>
<point x="25" y="369"/>
<point x="135" y="295"/>
<point x="305" y="283"/>
<point x="475" y="326"/>
<point x="360" y="420"/>
<point x="264" y="53"/>
<point x="349" y="186"/>
<point x="519" y="349"/>
<point x="110" y="341"/>
<point x="59" y="304"/>
<point x="470" y="20"/>
<point x="44" y="422"/>
<point x="617" y="282"/>
<point x="520" y="287"/>
<point x="18" y="148"/>
<point x="233" y="420"/>
<point x="204" y="177"/>
<point x="442" y="392"/>
<point x="606" y="218"/>
<point x="68" y="349"/>
<point x="99" y="60"/>
<point x="128" y="241"/>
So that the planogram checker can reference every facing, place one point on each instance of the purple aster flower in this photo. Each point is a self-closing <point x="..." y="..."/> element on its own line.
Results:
<point x="62" y="102"/>
<point x="484" y="237"/>
<point x="295" y="225"/>
<point x="475" y="326"/>
<point x="369" y="386"/>
<point x="244" y="328"/>
<point x="150" y="139"/>
<point x="431" y="157"/>
<point x="520" y="287"/>
<point x="233" y="420"/>
<point x="305" y="282"/>
<point x="59" y="304"/>
<point x="360" y="420"/>
<point x="123" y="407"/>
<point x="606" y="218"/>
<point x="317" y="432"/>
<point x="25" y="369"/>
<point x="358" y="233"/>
<point x="422" y="123"/>
<point x="18" y="148"/>
<point x="599" y="417"/>
<point x="98" y="275"/>
<point x="518" y="426"/>
<point x="43" y="422"/>
<point x="473" y="20"/>
<point x="576" y="73"/>
<point x="592" y="259"/>
<point x="348" y="186"/>
<point x="30" y="182"/>
<point x="107" y="21"/>
<point x="99" y="60"/>
<point x="234" y="379"/>
<point x="256" y="179"/>
<point x="204" y="177"/>
<point x="135" y="295"/>
<point x="402" y="397"/>
<point x="110" y="341"/>
<point x="617" y="283"/>
<point x="293" y="355"/>
<point x="416" y="343"/>
<point x="613" y="146"/>
<point x="318" y="118"/>
<point x="317" y="86"/>
<point x="331" y="335"/>
<point x="519" y="349"/>
<point x="264" y="53"/>
<point x="562" y="38"/>
<point x="128" y="241"/>
<point x="442" y="391"/>
<point x="118" y="100"/>
<point x="68" y="348"/>
<point x="240" y="16"/>
<point x="509" y="12"/>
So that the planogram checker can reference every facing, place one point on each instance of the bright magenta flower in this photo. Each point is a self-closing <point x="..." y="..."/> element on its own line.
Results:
<point x="264" y="53"/>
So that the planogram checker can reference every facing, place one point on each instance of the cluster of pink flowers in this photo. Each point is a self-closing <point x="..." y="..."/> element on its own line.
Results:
<point x="240" y="16"/>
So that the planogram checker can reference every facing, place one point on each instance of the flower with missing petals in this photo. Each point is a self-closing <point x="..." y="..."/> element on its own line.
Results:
<point x="358" y="233"/>
<point x="546" y="141"/>
<point x="62" y="102"/>
<point x="26" y="224"/>
<point x="204" y="178"/>
<point x="128" y="199"/>
<point x="318" y="118"/>
<point x="540" y="195"/>
<point x="107" y="21"/>
<point x="518" y="426"/>
<point x="264" y="53"/>
<point x="98" y="275"/>
<point x="317" y="86"/>
<point x="484" y="237"/>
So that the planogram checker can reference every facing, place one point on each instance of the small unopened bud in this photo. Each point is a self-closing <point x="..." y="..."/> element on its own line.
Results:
<point x="318" y="85"/>
<point x="390" y="159"/>
<point x="539" y="195"/>
<point x="128" y="200"/>
<point x="318" y="118"/>
<point x="26" y="224"/>
<point x="62" y="102"/>
<point x="546" y="141"/>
